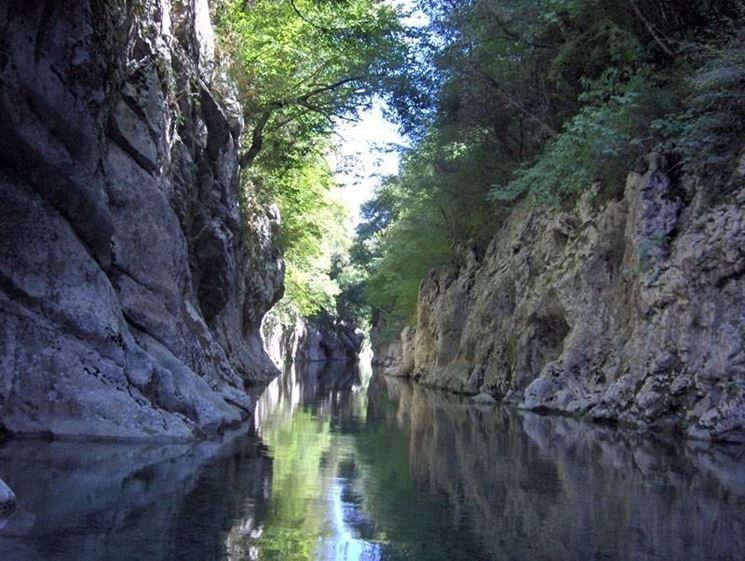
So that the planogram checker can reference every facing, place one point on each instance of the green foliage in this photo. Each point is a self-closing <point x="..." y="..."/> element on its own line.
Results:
<point x="504" y="100"/>
<point x="300" y="66"/>
<point x="543" y="99"/>
<point x="312" y="229"/>
<point x="292" y="525"/>
<point x="406" y="233"/>
<point x="708" y="133"/>
<point x="351" y="303"/>
<point x="288" y="50"/>
<point x="597" y="146"/>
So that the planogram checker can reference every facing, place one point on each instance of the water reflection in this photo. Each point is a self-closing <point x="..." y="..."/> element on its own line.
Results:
<point x="308" y="419"/>
<point x="534" y="487"/>
<point x="113" y="502"/>
<point x="348" y="467"/>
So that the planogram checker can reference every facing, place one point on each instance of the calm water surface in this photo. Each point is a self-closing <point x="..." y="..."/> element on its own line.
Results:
<point x="343" y="467"/>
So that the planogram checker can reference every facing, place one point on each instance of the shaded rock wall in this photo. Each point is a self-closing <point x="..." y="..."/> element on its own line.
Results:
<point x="131" y="293"/>
<point x="630" y="310"/>
<point x="321" y="339"/>
<point x="7" y="500"/>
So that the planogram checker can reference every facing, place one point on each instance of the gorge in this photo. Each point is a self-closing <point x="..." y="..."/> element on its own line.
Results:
<point x="553" y="285"/>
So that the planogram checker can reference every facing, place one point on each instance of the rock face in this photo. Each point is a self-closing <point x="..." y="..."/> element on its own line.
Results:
<point x="632" y="311"/>
<point x="131" y="292"/>
<point x="404" y="365"/>
<point x="321" y="339"/>
<point x="386" y="352"/>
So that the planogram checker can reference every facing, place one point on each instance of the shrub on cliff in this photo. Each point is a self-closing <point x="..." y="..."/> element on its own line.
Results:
<point x="709" y="133"/>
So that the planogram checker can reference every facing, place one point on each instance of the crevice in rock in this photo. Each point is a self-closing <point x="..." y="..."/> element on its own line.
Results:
<point x="119" y="139"/>
<point x="43" y="28"/>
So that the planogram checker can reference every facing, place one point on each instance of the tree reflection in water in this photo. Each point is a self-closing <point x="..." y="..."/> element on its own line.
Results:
<point x="347" y="467"/>
<point x="403" y="472"/>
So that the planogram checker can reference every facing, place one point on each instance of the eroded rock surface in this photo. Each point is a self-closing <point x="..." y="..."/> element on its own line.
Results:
<point x="321" y="339"/>
<point x="631" y="310"/>
<point x="131" y="292"/>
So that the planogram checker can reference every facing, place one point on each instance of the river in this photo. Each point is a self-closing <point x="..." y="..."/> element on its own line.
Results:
<point x="342" y="465"/>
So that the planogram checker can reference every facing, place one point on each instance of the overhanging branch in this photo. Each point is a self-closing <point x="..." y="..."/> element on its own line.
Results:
<point x="304" y="100"/>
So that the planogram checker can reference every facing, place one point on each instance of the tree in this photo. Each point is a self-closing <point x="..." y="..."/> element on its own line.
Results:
<point x="300" y="67"/>
<point x="538" y="100"/>
<point x="303" y="64"/>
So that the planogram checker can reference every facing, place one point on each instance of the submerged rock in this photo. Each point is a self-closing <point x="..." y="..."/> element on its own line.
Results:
<point x="131" y="288"/>
<point x="628" y="310"/>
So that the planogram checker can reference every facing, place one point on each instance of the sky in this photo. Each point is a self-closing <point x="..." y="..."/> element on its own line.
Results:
<point x="364" y="154"/>
<point x="363" y="157"/>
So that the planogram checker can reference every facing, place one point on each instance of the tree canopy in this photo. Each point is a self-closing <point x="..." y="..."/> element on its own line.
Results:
<point x="301" y="67"/>
<point x="506" y="102"/>
<point x="301" y="64"/>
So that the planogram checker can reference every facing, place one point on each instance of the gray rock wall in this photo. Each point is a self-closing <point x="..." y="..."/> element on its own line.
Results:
<point x="386" y="352"/>
<point x="304" y="340"/>
<point x="630" y="310"/>
<point x="131" y="291"/>
<point x="404" y="364"/>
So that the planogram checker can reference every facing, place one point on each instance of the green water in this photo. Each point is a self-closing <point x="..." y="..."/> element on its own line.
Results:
<point x="346" y="466"/>
<point x="342" y="486"/>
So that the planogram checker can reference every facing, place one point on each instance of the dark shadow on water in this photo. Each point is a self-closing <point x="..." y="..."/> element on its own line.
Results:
<point x="119" y="502"/>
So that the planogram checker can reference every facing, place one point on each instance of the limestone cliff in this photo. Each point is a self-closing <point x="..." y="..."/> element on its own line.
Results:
<point x="630" y="310"/>
<point x="324" y="338"/>
<point x="131" y="291"/>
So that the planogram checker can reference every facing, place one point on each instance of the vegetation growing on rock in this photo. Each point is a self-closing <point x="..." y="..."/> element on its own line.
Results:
<point x="540" y="101"/>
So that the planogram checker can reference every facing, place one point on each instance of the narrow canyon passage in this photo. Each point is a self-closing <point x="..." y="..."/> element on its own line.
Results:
<point x="372" y="280"/>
